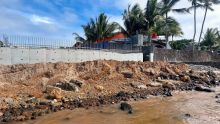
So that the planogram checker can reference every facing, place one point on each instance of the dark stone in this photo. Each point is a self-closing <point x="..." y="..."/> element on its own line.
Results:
<point x="164" y="75"/>
<point x="121" y="94"/>
<point x="49" y="74"/>
<point x="177" y="78"/>
<point x="167" y="92"/>
<point x="127" y="74"/>
<point x="203" y="89"/>
<point x="214" y="82"/>
<point x="212" y="74"/>
<point x="34" y="114"/>
<point x="217" y="96"/>
<point x="126" y="107"/>
<point x="32" y="100"/>
<point x="40" y="114"/>
<point x="187" y="115"/>
<point x="67" y="86"/>
<point x="191" y="71"/>
<point x="77" y="82"/>
<point x="7" y="116"/>
<point x="43" y="103"/>
<point x="218" y="101"/>
<point x="33" y="118"/>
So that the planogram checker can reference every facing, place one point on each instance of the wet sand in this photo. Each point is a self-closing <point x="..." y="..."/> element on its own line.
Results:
<point x="202" y="108"/>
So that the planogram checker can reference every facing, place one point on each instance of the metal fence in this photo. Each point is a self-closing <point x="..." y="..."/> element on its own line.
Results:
<point x="33" y="42"/>
<point x="19" y="41"/>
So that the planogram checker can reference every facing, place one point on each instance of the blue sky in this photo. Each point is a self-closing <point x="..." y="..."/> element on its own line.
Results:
<point x="60" y="18"/>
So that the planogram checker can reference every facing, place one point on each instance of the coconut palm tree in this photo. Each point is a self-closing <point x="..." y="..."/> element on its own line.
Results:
<point x="151" y="12"/>
<point x="171" y="27"/>
<point x="134" y="21"/>
<point x="166" y="6"/>
<point x="194" y="7"/>
<point x="151" y="15"/>
<point x="98" y="29"/>
<point x="180" y="44"/>
<point x="175" y="30"/>
<point x="207" y="4"/>
<point x="211" y="39"/>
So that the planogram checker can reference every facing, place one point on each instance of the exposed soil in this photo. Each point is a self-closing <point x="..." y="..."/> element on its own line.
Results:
<point x="28" y="91"/>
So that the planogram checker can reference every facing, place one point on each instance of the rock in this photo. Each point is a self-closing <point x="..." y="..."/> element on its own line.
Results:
<point x="138" y="85"/>
<point x="99" y="88"/>
<point x="7" y="116"/>
<point x="212" y="74"/>
<point x="24" y="104"/>
<point x="214" y="82"/>
<point x="159" y="78"/>
<point x="141" y="86"/>
<point x="1" y="114"/>
<point x="55" y="103"/>
<point x="9" y="100"/>
<point x="49" y="74"/>
<point x="167" y="92"/>
<point x="203" y="89"/>
<point x="34" y="115"/>
<point x="67" y="86"/>
<point x="44" y="82"/>
<point x="77" y="82"/>
<point x="191" y="72"/>
<point x="154" y="84"/>
<point x="151" y="71"/>
<point x="121" y="94"/>
<point x="177" y="78"/>
<point x="169" y="85"/>
<point x="20" y="118"/>
<point x="127" y="74"/>
<point x="185" y="78"/>
<point x="187" y="115"/>
<point x="218" y="101"/>
<point x="217" y="96"/>
<point x="32" y="100"/>
<point x="168" y="70"/>
<point x="54" y="92"/>
<point x="43" y="103"/>
<point x="126" y="107"/>
<point x="164" y="75"/>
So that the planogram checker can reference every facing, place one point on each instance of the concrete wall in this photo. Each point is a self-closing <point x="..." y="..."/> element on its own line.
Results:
<point x="213" y="64"/>
<point x="9" y="56"/>
<point x="184" y="56"/>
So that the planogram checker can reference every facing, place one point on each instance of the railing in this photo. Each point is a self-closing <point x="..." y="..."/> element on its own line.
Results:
<point x="33" y="42"/>
<point x="18" y="41"/>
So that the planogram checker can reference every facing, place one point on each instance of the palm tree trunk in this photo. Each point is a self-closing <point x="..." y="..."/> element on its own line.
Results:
<point x="194" y="36"/>
<point x="206" y="10"/>
<point x="166" y="35"/>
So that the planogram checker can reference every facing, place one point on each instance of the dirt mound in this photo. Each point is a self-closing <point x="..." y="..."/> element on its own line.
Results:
<point x="32" y="78"/>
<point x="28" y="91"/>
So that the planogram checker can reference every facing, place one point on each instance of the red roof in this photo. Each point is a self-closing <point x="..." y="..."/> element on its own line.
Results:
<point x="116" y="36"/>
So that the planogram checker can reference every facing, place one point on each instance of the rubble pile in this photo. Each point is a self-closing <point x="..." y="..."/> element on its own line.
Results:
<point x="29" y="91"/>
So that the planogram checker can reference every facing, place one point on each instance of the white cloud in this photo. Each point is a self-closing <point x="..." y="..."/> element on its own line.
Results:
<point x="41" y="19"/>
<point x="16" y="18"/>
<point x="187" y="24"/>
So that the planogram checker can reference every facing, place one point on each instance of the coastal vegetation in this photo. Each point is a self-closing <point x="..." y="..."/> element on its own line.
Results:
<point x="154" y="18"/>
